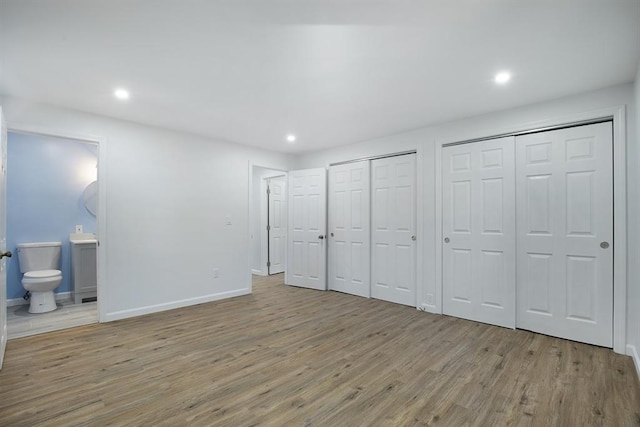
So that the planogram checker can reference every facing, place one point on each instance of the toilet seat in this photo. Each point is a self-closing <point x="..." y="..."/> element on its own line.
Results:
<point x="42" y="274"/>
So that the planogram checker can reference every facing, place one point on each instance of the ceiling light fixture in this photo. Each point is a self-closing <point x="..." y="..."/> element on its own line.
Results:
<point x="121" y="94"/>
<point x="291" y="138"/>
<point x="502" y="77"/>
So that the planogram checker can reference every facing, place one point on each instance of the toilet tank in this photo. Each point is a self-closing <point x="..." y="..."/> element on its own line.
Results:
<point x="39" y="256"/>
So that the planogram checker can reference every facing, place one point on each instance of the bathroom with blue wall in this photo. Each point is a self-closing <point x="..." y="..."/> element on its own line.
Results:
<point x="46" y="177"/>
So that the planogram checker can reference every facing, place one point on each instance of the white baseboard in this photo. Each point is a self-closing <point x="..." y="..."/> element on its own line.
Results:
<point x="3" y="346"/>
<point x="257" y="272"/>
<point x="123" y="314"/>
<point x="631" y="351"/>
<point x="60" y="296"/>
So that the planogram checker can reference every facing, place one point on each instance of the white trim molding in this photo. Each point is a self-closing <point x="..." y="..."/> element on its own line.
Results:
<point x="631" y="351"/>
<point x="124" y="314"/>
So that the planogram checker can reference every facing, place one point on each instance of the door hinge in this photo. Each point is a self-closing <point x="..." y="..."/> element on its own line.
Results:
<point x="268" y="263"/>
<point x="268" y="228"/>
<point x="268" y="190"/>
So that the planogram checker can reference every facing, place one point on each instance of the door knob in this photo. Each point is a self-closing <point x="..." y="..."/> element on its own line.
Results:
<point x="331" y="234"/>
<point x="321" y="237"/>
<point x="413" y="238"/>
<point x="446" y="240"/>
<point x="604" y="245"/>
<point x="7" y="254"/>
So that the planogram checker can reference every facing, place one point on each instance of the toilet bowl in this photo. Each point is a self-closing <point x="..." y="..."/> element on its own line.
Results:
<point x="41" y="285"/>
<point x="40" y="262"/>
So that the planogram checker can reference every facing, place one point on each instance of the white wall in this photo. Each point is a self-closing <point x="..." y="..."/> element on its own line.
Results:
<point x="425" y="141"/>
<point x="167" y="198"/>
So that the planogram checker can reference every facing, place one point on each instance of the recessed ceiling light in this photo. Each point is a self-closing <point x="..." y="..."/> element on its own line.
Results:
<point x="502" y="77"/>
<point x="291" y="138"/>
<point x="121" y="94"/>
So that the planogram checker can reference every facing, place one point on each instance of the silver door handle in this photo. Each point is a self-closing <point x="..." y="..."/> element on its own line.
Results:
<point x="446" y="240"/>
<point x="604" y="245"/>
<point x="413" y="238"/>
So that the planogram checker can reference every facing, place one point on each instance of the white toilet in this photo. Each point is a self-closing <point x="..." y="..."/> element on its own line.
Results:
<point x="40" y="263"/>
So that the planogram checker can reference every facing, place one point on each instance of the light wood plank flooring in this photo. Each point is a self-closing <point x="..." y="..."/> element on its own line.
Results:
<point x="291" y="357"/>
<point x="21" y="323"/>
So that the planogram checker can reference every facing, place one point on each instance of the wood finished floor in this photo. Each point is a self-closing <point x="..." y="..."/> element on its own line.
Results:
<point x="286" y="356"/>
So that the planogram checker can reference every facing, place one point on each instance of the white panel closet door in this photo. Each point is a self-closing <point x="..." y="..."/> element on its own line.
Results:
<point x="393" y="225"/>
<point x="349" y="228"/>
<point x="277" y="224"/>
<point x="565" y="233"/>
<point x="307" y="219"/>
<point x="478" y="224"/>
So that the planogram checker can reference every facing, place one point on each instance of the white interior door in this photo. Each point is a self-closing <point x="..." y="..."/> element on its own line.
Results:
<point x="3" y="236"/>
<point x="393" y="224"/>
<point x="478" y="225"/>
<point x="306" y="253"/>
<point x="565" y="233"/>
<point x="277" y="225"/>
<point x="349" y="228"/>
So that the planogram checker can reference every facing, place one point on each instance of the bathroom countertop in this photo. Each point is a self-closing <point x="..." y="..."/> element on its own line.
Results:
<point x="77" y="238"/>
<point x="80" y="241"/>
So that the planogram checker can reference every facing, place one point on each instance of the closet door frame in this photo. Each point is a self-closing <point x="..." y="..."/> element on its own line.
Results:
<point x="617" y="114"/>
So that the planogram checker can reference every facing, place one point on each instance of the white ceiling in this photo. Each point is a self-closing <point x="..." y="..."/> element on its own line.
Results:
<point x="332" y="72"/>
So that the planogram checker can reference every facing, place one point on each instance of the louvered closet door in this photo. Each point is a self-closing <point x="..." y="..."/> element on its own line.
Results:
<point x="393" y="224"/>
<point x="478" y="222"/>
<point x="565" y="233"/>
<point x="349" y="228"/>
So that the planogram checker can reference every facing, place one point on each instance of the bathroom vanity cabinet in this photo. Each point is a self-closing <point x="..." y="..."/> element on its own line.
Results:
<point x="83" y="271"/>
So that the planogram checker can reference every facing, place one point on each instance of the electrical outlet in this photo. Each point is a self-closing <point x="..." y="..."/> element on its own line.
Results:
<point x="216" y="273"/>
<point x="78" y="229"/>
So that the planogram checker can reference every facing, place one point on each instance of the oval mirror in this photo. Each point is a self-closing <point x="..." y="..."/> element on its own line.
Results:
<point x="90" y="197"/>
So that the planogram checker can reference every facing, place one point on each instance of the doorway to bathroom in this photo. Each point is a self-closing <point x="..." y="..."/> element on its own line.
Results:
<point x="268" y="218"/>
<point x="52" y="197"/>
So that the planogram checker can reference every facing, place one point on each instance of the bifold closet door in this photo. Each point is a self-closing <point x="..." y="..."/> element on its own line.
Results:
<point x="349" y="228"/>
<point x="306" y="250"/>
<point x="277" y="224"/>
<point x="565" y="233"/>
<point x="393" y="225"/>
<point x="478" y="224"/>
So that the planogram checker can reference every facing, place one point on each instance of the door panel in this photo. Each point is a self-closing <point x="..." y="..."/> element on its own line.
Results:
<point x="349" y="228"/>
<point x="306" y="231"/>
<point x="565" y="211"/>
<point x="479" y="230"/>
<point x="277" y="224"/>
<point x="3" y="236"/>
<point x="393" y="225"/>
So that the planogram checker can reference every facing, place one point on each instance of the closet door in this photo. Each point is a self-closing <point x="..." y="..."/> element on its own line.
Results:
<point x="349" y="228"/>
<point x="478" y="224"/>
<point x="393" y="220"/>
<point x="565" y="233"/>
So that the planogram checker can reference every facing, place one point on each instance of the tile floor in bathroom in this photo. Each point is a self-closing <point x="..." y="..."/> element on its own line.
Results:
<point x="21" y="323"/>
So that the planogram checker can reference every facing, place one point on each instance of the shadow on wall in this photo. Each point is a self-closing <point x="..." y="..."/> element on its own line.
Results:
<point x="46" y="178"/>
